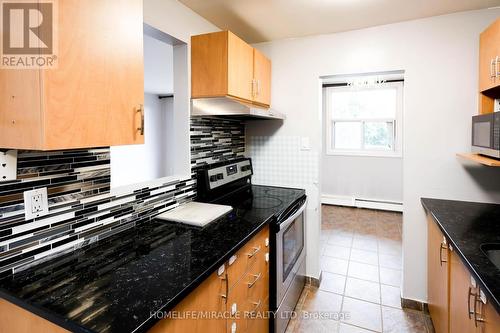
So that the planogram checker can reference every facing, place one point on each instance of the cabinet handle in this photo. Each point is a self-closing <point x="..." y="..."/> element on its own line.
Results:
<point x="254" y="311"/>
<point x="477" y="318"/>
<point x="258" y="87"/>
<point x="141" y="110"/>
<point x="255" y="251"/>
<point x="253" y="88"/>
<point x="470" y="312"/>
<point x="497" y="60"/>
<point x="226" y="280"/>
<point x="257" y="277"/>
<point x="442" y="247"/>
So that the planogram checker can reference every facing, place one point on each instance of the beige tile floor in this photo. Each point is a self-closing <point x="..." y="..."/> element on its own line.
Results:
<point x="361" y="265"/>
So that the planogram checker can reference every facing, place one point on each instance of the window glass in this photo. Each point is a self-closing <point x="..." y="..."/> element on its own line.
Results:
<point x="347" y="135"/>
<point x="378" y="135"/>
<point x="362" y="120"/>
<point x="369" y="103"/>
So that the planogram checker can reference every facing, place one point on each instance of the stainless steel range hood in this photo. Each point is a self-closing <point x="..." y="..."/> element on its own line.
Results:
<point x="229" y="107"/>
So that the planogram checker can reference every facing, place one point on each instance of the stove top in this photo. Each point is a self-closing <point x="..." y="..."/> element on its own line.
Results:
<point x="258" y="202"/>
<point x="229" y="183"/>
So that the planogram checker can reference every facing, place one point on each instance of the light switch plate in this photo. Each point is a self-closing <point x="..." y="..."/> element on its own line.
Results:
<point x="36" y="203"/>
<point x="8" y="165"/>
<point x="305" y="143"/>
<point x="497" y="105"/>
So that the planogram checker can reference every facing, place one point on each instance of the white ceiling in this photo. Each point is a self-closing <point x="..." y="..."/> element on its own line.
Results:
<point x="265" y="20"/>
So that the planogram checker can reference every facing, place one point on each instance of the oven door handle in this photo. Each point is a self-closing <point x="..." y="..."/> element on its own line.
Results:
<point x="292" y="218"/>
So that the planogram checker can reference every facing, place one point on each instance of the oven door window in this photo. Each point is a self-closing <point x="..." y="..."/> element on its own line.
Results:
<point x="293" y="243"/>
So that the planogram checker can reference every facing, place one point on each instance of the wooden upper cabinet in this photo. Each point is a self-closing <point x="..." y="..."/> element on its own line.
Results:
<point x="489" y="57"/>
<point x="262" y="78"/>
<point x="222" y="64"/>
<point x="438" y="277"/>
<point x="240" y="68"/>
<point x="94" y="96"/>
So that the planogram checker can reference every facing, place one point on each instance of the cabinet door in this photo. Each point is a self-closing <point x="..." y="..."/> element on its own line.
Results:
<point x="20" y="109"/>
<point x="491" y="319"/>
<point x="240" y="68"/>
<point x="238" y="306"/>
<point x="207" y="298"/>
<point x="209" y="64"/>
<point x="262" y="77"/>
<point x="462" y="296"/>
<point x="18" y="320"/>
<point x="437" y="277"/>
<point x="489" y="50"/>
<point x="93" y="97"/>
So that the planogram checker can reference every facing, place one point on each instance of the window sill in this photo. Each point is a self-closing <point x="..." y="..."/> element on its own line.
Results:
<point x="364" y="153"/>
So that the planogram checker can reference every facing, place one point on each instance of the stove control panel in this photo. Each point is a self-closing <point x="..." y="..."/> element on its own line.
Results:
<point x="225" y="174"/>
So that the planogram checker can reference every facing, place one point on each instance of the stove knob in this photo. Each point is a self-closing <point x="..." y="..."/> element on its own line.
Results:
<point x="220" y="176"/>
<point x="213" y="178"/>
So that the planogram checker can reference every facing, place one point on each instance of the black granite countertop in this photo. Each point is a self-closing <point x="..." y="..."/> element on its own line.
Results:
<point x="467" y="225"/>
<point x="115" y="285"/>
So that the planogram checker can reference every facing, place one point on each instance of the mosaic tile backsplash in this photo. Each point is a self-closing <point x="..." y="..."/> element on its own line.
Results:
<point x="216" y="139"/>
<point x="81" y="208"/>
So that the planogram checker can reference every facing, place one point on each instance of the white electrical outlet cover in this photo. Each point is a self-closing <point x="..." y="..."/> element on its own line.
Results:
<point x="8" y="165"/>
<point x="35" y="203"/>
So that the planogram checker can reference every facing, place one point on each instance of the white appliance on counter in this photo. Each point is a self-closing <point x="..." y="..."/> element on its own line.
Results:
<point x="195" y="213"/>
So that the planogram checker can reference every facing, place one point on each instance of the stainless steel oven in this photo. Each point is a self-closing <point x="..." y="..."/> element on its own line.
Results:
<point x="290" y="262"/>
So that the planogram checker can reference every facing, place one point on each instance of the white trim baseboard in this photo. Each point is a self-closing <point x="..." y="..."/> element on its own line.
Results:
<point x="329" y="199"/>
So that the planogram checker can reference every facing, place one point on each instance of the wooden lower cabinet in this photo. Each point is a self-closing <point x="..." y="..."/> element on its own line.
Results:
<point x="491" y="319"/>
<point x="470" y="310"/>
<point x="246" y="277"/>
<point x="456" y="302"/>
<point x="14" y="319"/>
<point x="208" y="297"/>
<point x="438" y="277"/>
<point x="462" y="293"/>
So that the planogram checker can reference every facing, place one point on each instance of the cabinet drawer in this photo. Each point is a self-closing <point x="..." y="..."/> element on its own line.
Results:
<point x="257" y="280"/>
<point x="260" y="322"/>
<point x="247" y="256"/>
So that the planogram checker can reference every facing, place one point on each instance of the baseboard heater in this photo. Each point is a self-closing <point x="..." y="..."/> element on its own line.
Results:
<point x="362" y="203"/>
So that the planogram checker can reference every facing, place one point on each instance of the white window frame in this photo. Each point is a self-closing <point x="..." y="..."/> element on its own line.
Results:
<point x="397" y="125"/>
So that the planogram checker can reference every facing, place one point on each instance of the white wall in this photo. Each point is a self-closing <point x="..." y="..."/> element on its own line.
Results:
<point x="177" y="20"/>
<point x="440" y="59"/>
<point x="158" y="66"/>
<point x="373" y="178"/>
